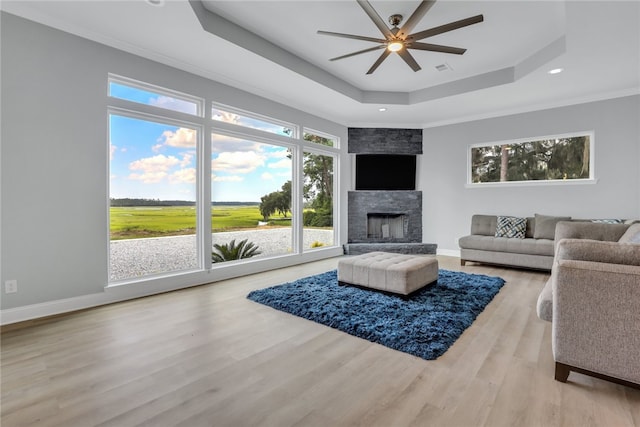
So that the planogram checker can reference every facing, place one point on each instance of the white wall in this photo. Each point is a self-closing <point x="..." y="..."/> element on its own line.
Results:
<point x="54" y="176"/>
<point x="448" y="205"/>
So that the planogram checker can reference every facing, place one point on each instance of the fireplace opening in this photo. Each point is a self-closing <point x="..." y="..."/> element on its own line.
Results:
<point x="386" y="226"/>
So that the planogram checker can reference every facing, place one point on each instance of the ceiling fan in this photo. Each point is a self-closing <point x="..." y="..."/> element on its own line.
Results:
<point x="399" y="40"/>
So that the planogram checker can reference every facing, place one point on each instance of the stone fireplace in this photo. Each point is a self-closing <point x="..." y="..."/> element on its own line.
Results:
<point x="385" y="220"/>
<point x="385" y="216"/>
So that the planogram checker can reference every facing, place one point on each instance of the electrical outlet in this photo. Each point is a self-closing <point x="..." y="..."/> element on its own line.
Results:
<point x="11" y="286"/>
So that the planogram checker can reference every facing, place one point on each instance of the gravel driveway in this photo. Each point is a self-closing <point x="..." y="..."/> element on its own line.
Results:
<point x="140" y="257"/>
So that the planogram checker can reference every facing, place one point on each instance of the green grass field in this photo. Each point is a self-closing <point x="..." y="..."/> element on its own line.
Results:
<point x="153" y="221"/>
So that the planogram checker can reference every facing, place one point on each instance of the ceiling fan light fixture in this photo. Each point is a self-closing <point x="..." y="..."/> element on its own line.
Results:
<point x="395" y="46"/>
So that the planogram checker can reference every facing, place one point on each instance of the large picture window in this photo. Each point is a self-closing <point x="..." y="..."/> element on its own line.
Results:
<point x="251" y="199"/>
<point x="318" y="191"/>
<point x="191" y="192"/>
<point x="152" y="213"/>
<point x="550" y="159"/>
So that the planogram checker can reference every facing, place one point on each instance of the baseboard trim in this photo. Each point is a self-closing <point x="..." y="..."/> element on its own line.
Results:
<point x="153" y="286"/>
<point x="449" y="252"/>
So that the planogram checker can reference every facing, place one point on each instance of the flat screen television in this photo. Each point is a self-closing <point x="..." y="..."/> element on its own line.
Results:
<point x="385" y="172"/>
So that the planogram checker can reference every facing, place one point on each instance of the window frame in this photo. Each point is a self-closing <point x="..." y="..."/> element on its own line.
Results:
<point x="148" y="87"/>
<point x="295" y="129"/>
<point x="578" y="181"/>
<point x="321" y="134"/>
<point x="322" y="150"/>
<point x="200" y="204"/>
<point x="206" y="126"/>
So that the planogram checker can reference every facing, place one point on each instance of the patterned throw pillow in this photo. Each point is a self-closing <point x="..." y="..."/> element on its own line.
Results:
<point x="511" y="226"/>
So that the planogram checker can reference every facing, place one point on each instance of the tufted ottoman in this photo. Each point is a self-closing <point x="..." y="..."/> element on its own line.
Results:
<point x="389" y="272"/>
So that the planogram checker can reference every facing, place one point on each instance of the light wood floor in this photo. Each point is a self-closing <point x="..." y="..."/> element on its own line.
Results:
<point x="207" y="356"/>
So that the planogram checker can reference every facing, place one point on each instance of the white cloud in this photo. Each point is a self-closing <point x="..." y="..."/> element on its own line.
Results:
<point x="153" y="169"/>
<point x="280" y="164"/>
<point x="186" y="159"/>
<point x="187" y="176"/>
<point x="280" y="154"/>
<point x="229" y="178"/>
<point x="182" y="138"/>
<point x="173" y="104"/>
<point x="112" y="149"/>
<point x="156" y="148"/>
<point x="223" y="143"/>
<point x="148" y="177"/>
<point x="226" y="117"/>
<point x="159" y="163"/>
<point x="266" y="176"/>
<point x="237" y="162"/>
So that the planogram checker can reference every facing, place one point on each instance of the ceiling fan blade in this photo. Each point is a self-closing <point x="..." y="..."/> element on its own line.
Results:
<point x="446" y="27"/>
<point x="352" y="36"/>
<point x="379" y="61"/>
<point x="408" y="58"/>
<point x="437" y="48"/>
<point x="358" y="52"/>
<point x="417" y="15"/>
<point x="371" y="12"/>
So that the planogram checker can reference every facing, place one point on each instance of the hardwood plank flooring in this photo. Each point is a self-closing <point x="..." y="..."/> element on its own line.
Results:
<point x="207" y="356"/>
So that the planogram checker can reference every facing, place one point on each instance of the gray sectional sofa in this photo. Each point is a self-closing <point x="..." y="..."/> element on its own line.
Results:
<point x="534" y="251"/>
<point x="593" y="301"/>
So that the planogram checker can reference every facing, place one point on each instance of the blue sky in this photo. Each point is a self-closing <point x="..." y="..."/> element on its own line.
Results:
<point x="158" y="161"/>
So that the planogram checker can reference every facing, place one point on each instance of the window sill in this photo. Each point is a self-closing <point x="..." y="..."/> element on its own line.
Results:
<point x="532" y="183"/>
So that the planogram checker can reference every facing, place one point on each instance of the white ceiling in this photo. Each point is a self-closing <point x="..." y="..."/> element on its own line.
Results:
<point x="271" y="48"/>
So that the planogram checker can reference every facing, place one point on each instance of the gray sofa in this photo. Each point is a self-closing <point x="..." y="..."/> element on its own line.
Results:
<point x="593" y="301"/>
<point x="534" y="251"/>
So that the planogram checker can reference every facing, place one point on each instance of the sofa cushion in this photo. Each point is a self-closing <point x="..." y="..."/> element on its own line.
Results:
<point x="545" y="227"/>
<point x="504" y="244"/>
<point x="632" y="235"/>
<point x="598" y="251"/>
<point x="511" y="226"/>
<point x="588" y="230"/>
<point x="544" y="307"/>
<point x="483" y="225"/>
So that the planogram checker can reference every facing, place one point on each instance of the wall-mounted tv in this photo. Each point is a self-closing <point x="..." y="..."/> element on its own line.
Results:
<point x="385" y="172"/>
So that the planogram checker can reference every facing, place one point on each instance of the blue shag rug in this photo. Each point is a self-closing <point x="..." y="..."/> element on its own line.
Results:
<point x="424" y="325"/>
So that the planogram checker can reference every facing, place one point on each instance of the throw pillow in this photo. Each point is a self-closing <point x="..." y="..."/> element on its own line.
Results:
<point x="632" y="235"/>
<point x="546" y="226"/>
<point x="511" y="226"/>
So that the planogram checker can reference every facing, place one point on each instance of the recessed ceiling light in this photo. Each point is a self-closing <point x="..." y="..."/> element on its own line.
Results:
<point x="155" y="2"/>
<point x="382" y="109"/>
<point x="556" y="71"/>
